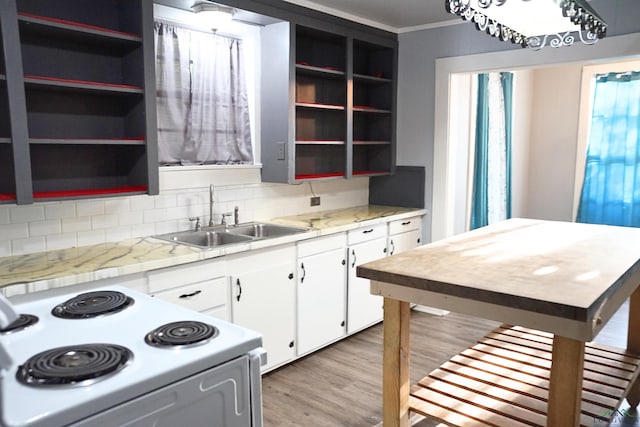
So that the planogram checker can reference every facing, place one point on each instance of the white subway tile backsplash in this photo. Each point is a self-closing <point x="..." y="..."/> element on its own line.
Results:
<point x="60" y="210"/>
<point x="118" y="233"/>
<point x="28" y="246"/>
<point x="76" y="224"/>
<point x="140" y="203"/>
<point x="90" y="207"/>
<point x="13" y="290"/>
<point x="4" y="215"/>
<point x="103" y="221"/>
<point x="23" y="214"/>
<point x="61" y="241"/>
<point x="117" y="205"/>
<point x="130" y="218"/>
<point x="93" y="237"/>
<point x="44" y="228"/>
<point x="66" y="224"/>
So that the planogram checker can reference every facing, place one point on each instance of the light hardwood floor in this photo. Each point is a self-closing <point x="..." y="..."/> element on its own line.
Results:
<point x="341" y="385"/>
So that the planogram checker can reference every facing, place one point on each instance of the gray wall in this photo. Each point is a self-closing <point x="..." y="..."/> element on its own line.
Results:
<point x="418" y="52"/>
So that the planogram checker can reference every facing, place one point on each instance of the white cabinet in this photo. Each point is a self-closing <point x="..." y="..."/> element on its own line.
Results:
<point x="404" y="234"/>
<point x="263" y="298"/>
<point x="365" y="245"/>
<point x="321" y="296"/>
<point x="200" y="286"/>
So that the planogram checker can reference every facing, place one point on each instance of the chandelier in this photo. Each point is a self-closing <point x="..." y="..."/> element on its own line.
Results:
<point x="533" y="23"/>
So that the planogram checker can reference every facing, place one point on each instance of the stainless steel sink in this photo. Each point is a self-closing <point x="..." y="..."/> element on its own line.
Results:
<point x="221" y="235"/>
<point x="261" y="230"/>
<point x="204" y="238"/>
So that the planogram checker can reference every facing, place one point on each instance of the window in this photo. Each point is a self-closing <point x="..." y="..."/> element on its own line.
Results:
<point x="202" y="102"/>
<point x="611" y="187"/>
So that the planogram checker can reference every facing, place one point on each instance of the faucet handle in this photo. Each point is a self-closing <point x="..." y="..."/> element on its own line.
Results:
<point x="224" y="217"/>
<point x="197" y="220"/>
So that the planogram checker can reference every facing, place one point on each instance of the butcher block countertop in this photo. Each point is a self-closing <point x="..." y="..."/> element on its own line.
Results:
<point x="537" y="268"/>
<point x="43" y="270"/>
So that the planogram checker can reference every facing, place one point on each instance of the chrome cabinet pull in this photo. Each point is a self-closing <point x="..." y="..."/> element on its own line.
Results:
<point x="239" y="288"/>
<point x="353" y="253"/>
<point x="393" y="247"/>
<point x="304" y="273"/>
<point x="406" y="223"/>
<point x="367" y="231"/>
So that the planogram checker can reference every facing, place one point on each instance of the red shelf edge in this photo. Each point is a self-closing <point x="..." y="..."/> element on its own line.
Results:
<point x="7" y="197"/>
<point x="89" y="192"/>
<point x="320" y="175"/>
<point x="78" y="24"/>
<point x="84" y="82"/>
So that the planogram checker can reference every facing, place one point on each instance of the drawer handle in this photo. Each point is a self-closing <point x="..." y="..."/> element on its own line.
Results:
<point x="406" y="223"/>
<point x="393" y="247"/>
<point x="304" y="273"/>
<point x="192" y="294"/>
<point x="353" y="252"/>
<point x="239" y="287"/>
<point x="368" y="231"/>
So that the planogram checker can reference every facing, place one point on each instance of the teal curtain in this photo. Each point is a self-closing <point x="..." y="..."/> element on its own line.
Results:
<point x="611" y="188"/>
<point x="484" y="168"/>
<point x="480" y="198"/>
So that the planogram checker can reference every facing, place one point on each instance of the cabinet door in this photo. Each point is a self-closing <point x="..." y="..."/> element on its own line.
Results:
<point x="321" y="299"/>
<point x="404" y="241"/>
<point x="363" y="309"/>
<point x="264" y="300"/>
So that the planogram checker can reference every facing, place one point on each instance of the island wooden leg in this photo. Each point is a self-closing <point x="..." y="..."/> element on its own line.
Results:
<point x="395" y="364"/>
<point x="565" y="384"/>
<point x="633" y="342"/>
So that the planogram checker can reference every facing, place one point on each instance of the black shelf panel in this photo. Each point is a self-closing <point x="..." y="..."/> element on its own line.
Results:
<point x="88" y="141"/>
<point x="80" y="85"/>
<point x="84" y="33"/>
<point x="87" y="168"/>
<point x="323" y="72"/>
<point x="117" y="16"/>
<point x="364" y="78"/>
<point x="367" y="109"/>
<point x="312" y="106"/>
<point x="318" y="142"/>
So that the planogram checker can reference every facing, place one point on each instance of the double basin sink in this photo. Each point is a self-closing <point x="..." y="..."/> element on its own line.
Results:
<point x="213" y="237"/>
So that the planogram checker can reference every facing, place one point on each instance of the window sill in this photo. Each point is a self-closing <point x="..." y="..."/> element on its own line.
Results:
<point x="188" y="177"/>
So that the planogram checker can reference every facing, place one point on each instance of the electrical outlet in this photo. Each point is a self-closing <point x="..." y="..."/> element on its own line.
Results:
<point x="315" y="201"/>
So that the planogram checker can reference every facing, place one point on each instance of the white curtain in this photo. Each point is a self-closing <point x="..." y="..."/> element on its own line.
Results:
<point x="202" y="103"/>
<point x="497" y="149"/>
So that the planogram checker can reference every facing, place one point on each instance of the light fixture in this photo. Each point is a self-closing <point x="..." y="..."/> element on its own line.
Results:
<point x="213" y="14"/>
<point x="533" y="23"/>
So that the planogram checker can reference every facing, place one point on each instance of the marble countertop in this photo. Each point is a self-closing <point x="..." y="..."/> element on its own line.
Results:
<point x="66" y="267"/>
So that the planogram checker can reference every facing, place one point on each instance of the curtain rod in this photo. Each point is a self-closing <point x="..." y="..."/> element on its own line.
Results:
<point x="194" y="28"/>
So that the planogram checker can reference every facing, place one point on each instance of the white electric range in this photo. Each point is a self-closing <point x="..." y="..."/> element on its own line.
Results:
<point x="140" y="361"/>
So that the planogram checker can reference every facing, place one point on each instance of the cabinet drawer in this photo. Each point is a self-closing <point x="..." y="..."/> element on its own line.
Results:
<point x="171" y="277"/>
<point x="365" y="234"/>
<point x="198" y="296"/>
<point x="403" y="225"/>
<point x="321" y="244"/>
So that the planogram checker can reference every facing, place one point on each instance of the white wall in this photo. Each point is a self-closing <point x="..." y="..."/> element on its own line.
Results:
<point x="554" y="138"/>
<point x="523" y="89"/>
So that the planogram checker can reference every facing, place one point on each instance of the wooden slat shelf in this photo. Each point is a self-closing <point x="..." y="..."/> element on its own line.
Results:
<point x="504" y="380"/>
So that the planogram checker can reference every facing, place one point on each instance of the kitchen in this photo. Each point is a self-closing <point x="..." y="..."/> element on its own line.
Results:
<point x="58" y="225"/>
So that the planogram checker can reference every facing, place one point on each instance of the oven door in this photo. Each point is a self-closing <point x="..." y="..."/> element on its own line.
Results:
<point x="220" y="396"/>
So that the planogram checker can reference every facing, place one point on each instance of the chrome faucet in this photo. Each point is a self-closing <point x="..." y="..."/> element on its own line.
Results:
<point x="236" y="215"/>
<point x="224" y="218"/>
<point x="197" y="226"/>
<point x="211" y="205"/>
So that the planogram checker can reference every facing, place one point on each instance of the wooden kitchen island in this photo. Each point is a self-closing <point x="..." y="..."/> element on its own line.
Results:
<point x="554" y="285"/>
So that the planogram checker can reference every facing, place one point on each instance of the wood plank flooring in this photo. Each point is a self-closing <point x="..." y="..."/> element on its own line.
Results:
<point x="341" y="385"/>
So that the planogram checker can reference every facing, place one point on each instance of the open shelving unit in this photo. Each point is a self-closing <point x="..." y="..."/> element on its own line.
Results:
<point x="337" y="119"/>
<point x="7" y="175"/>
<point x="89" y="106"/>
